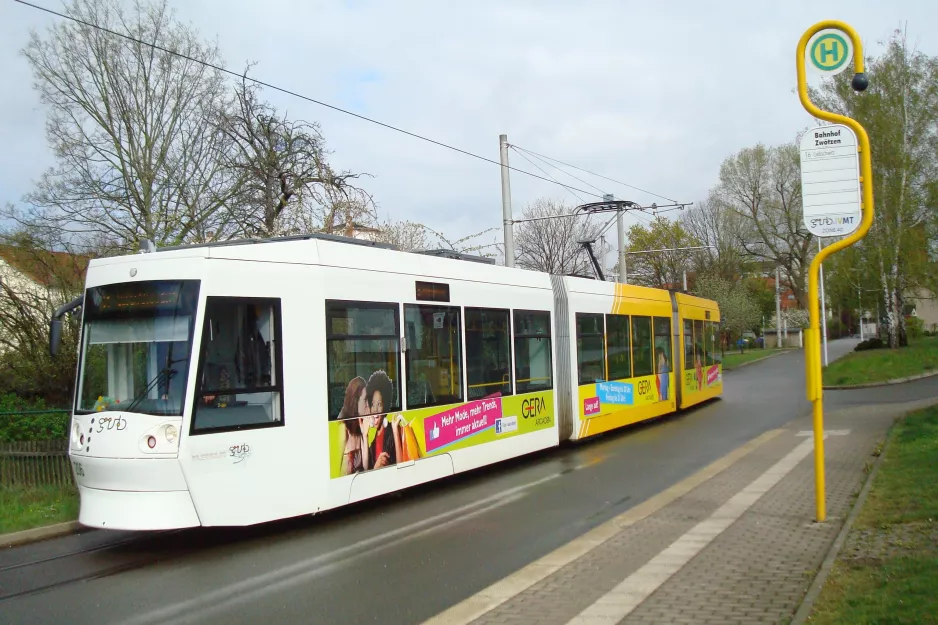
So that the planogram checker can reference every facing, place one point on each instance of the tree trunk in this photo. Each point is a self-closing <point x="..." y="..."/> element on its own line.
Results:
<point x="891" y="321"/>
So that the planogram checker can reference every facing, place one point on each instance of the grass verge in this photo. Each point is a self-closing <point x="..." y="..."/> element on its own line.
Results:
<point x="26" y="508"/>
<point x="888" y="569"/>
<point x="882" y="365"/>
<point x="731" y="360"/>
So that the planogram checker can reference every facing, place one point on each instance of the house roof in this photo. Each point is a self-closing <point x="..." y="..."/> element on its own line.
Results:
<point x="44" y="267"/>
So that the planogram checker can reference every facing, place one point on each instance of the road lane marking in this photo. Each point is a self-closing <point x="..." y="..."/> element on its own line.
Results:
<point x="254" y="588"/>
<point x="501" y="591"/>
<point x="826" y="433"/>
<point x="634" y="589"/>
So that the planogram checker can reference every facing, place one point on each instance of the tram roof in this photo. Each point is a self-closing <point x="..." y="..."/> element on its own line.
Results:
<point x="340" y="251"/>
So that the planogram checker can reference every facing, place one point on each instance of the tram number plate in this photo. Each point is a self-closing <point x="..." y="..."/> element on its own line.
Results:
<point x="79" y="471"/>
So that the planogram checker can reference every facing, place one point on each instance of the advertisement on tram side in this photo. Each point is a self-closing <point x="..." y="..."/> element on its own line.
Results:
<point x="702" y="377"/>
<point x="603" y="398"/>
<point x="372" y="442"/>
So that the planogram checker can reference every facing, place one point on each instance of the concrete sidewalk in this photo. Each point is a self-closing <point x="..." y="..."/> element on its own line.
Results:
<point x="734" y="543"/>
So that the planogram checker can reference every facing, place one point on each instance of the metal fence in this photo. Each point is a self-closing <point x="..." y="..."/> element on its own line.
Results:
<point x="42" y="461"/>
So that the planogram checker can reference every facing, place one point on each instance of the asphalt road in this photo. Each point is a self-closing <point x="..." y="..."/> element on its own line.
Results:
<point x="406" y="557"/>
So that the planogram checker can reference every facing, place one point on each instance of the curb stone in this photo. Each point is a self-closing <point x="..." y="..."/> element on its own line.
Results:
<point x="911" y="378"/>
<point x="38" y="533"/>
<point x="814" y="591"/>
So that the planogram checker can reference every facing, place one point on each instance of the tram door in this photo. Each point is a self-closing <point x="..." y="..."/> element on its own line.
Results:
<point x="232" y="454"/>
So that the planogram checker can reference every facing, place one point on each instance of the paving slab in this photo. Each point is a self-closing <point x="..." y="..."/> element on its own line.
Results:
<point x="742" y="546"/>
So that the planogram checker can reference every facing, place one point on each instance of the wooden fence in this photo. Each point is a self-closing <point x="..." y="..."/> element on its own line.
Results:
<point x="35" y="463"/>
<point x="30" y="463"/>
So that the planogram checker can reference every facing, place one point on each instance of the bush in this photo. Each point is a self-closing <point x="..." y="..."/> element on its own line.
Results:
<point x="836" y="329"/>
<point x="873" y="343"/>
<point x="915" y="327"/>
<point x="31" y="427"/>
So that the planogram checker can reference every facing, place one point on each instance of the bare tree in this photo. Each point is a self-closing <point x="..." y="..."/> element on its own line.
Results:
<point x="763" y="187"/>
<point x="553" y="245"/>
<point x="286" y="184"/>
<point x="406" y="235"/>
<point x="33" y="283"/>
<point x="712" y="224"/>
<point x="132" y="127"/>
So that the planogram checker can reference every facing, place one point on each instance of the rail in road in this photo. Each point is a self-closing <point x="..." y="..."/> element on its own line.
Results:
<point x="411" y="555"/>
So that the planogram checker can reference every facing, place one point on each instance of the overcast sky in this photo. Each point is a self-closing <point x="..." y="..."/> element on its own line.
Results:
<point x="655" y="94"/>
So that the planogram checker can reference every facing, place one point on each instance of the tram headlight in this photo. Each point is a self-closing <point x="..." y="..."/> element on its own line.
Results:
<point x="76" y="434"/>
<point x="160" y="439"/>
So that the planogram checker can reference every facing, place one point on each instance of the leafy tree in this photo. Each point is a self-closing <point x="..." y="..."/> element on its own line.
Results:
<point x="900" y="114"/>
<point x="738" y="310"/>
<point x="762" y="295"/>
<point x="659" y="269"/>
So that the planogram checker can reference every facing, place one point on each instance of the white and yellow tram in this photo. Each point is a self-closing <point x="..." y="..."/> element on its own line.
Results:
<point x="232" y="384"/>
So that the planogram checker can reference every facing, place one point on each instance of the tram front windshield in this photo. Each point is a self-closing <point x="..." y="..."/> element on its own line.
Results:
<point x="136" y="346"/>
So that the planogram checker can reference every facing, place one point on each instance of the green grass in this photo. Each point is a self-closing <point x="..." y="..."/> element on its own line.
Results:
<point x="899" y="590"/>
<point x="881" y="365"/>
<point x="734" y="359"/>
<point x="902" y="587"/>
<point x="26" y="508"/>
<point x="906" y="488"/>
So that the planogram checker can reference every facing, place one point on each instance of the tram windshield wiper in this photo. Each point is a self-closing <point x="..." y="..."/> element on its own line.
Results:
<point x="157" y="379"/>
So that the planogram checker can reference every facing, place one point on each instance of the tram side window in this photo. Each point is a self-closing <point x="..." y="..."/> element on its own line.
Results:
<point x="699" y="343"/>
<point x="590" y="348"/>
<point x="362" y="358"/>
<point x="663" y="345"/>
<point x="713" y="331"/>
<point x="434" y="358"/>
<point x="488" y="355"/>
<point x="642" y="346"/>
<point x="533" y="369"/>
<point x="618" y="347"/>
<point x="240" y="384"/>
<point x="688" y="344"/>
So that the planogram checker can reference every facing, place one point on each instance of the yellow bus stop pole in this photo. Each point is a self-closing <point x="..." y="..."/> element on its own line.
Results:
<point x="813" y="340"/>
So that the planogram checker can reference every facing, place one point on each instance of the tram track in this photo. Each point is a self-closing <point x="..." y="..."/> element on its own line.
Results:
<point x="43" y="560"/>
<point x="38" y="574"/>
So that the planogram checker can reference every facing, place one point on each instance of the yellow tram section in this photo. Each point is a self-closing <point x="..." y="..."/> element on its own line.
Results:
<point x="618" y="402"/>
<point x="701" y="369"/>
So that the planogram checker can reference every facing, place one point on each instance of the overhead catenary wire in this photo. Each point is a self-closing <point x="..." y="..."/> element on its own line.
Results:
<point x="569" y="190"/>
<point x="592" y="173"/>
<point x="655" y="211"/>
<point x="290" y="93"/>
<point x="589" y="184"/>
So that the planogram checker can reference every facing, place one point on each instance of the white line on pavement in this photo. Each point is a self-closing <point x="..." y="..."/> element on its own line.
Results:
<point x="629" y="594"/>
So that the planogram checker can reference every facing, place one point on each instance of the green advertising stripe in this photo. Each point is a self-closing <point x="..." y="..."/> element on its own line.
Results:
<point x="533" y="411"/>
